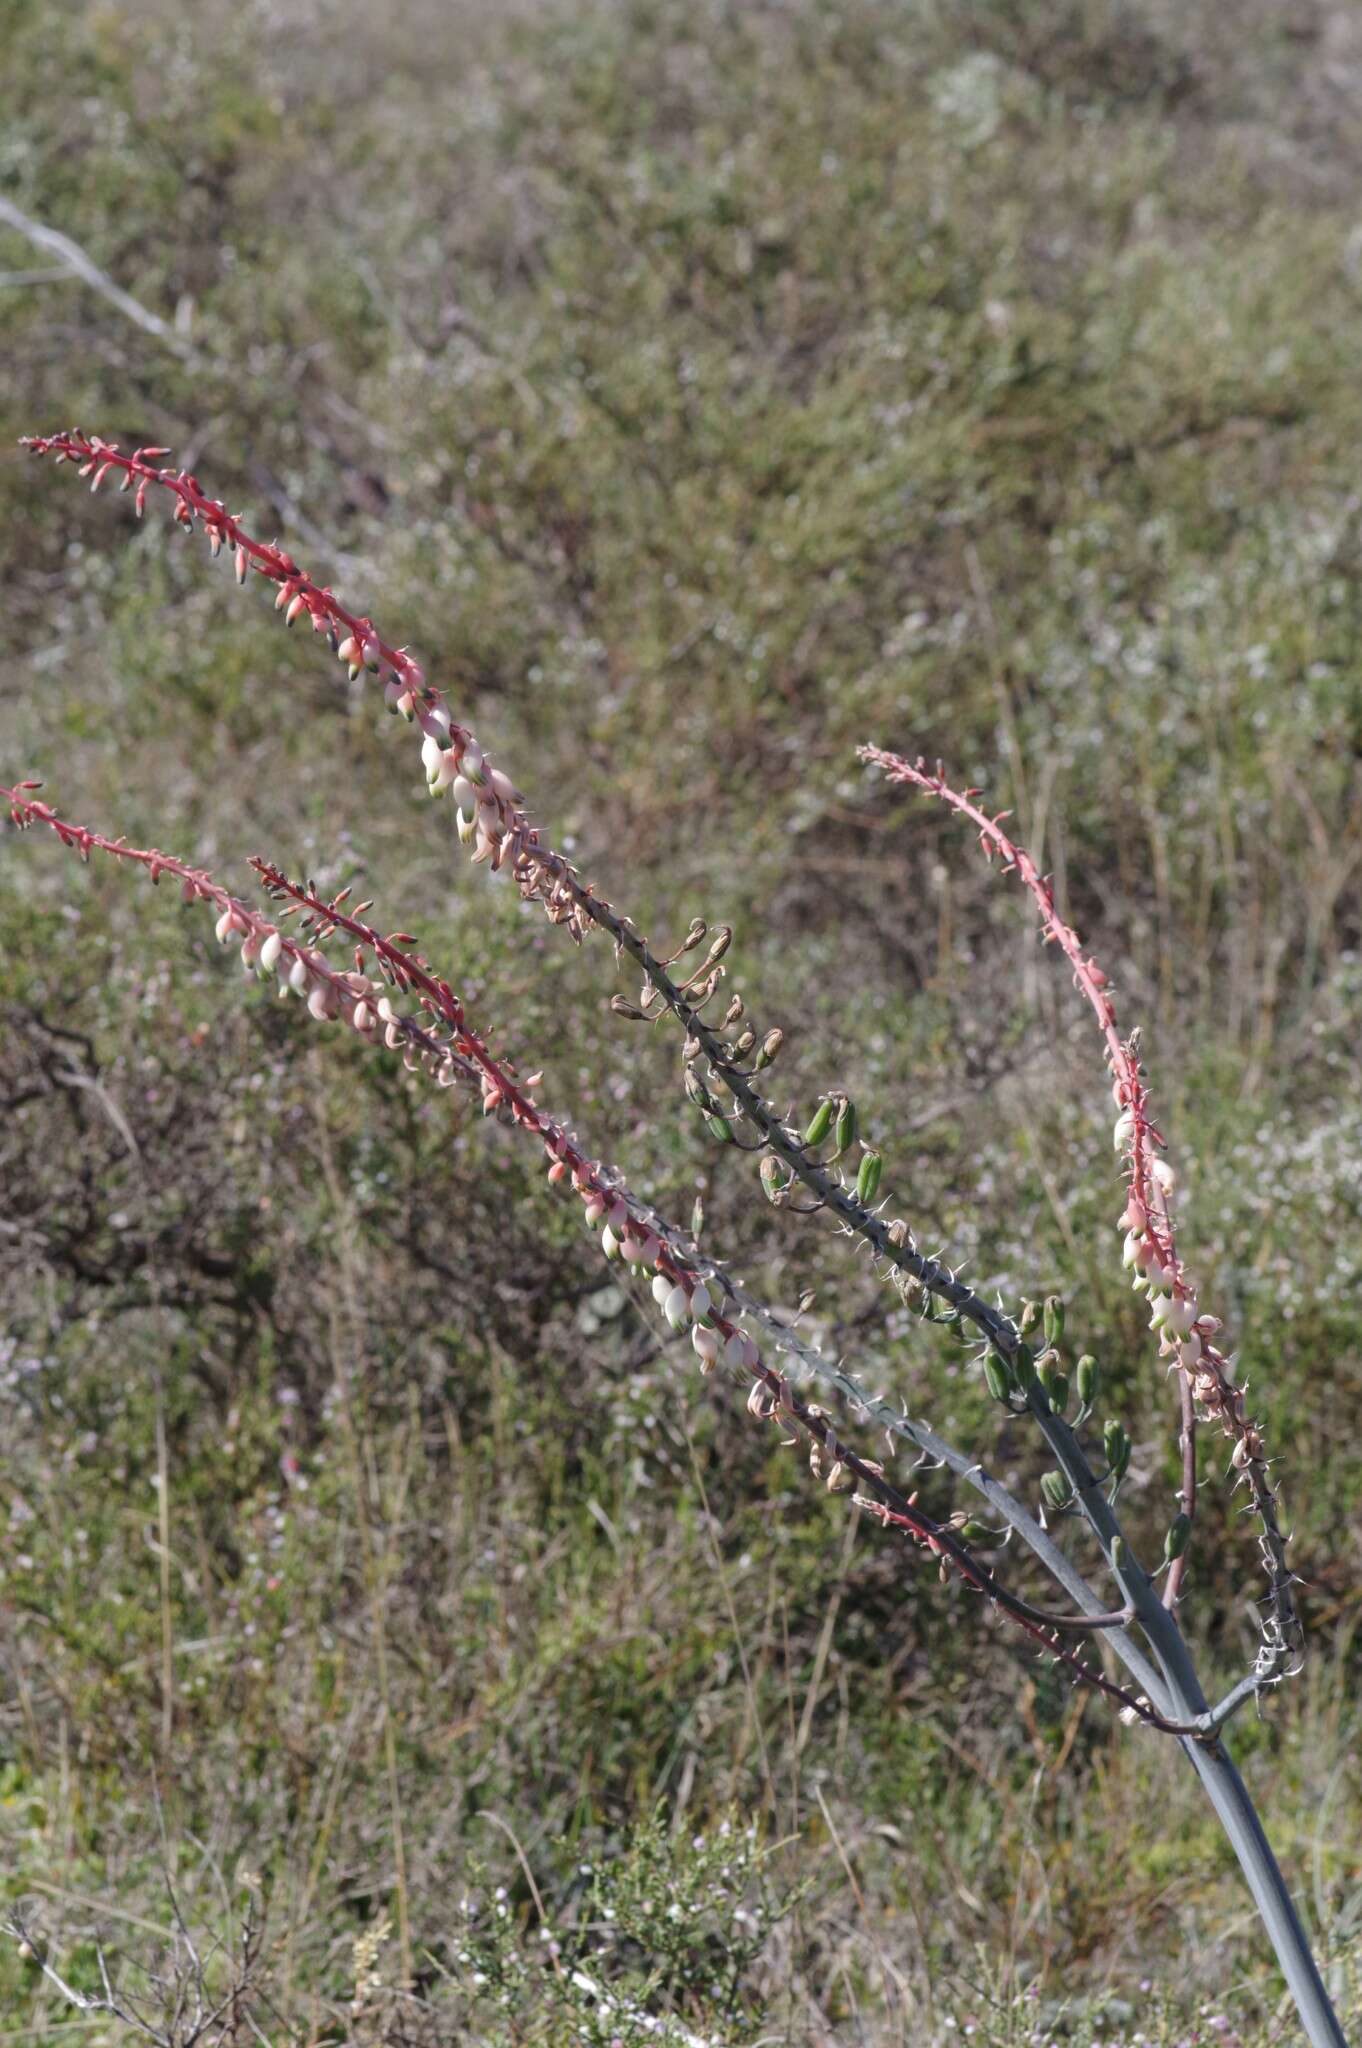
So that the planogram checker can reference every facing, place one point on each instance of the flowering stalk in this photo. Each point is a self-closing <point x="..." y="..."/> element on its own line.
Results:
<point x="449" y="1051"/>
<point x="493" y="821"/>
<point x="1187" y="1333"/>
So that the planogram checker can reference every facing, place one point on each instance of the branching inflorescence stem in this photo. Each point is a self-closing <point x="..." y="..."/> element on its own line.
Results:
<point x="450" y="1051"/>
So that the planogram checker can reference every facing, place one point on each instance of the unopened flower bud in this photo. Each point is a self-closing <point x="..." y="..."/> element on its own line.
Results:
<point x="271" y="949"/>
<point x="705" y="1343"/>
<point x="676" y="1308"/>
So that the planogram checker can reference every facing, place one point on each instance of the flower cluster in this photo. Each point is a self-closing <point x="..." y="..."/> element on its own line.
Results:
<point x="1187" y="1334"/>
<point x="446" y="1049"/>
<point x="491" y="814"/>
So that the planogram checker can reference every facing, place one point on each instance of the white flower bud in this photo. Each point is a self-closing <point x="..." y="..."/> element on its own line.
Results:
<point x="321" y="1002"/>
<point x="676" y="1308"/>
<point x="271" y="949"/>
<point x="610" y="1244"/>
<point x="432" y="754"/>
<point x="299" y="978"/>
<point x="1181" y="1314"/>
<point x="662" y="1287"/>
<point x="700" y="1302"/>
<point x="1124" y="1131"/>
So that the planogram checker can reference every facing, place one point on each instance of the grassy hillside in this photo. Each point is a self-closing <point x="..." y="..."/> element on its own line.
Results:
<point x="702" y="391"/>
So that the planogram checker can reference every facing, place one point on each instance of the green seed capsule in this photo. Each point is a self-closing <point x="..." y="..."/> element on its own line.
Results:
<point x="770" y="1046"/>
<point x="1054" y="1319"/>
<point x="997" y="1378"/>
<point x="1055" y="1488"/>
<point x="1118" y="1553"/>
<point x="1118" y="1447"/>
<point x="1024" y="1367"/>
<point x="1087" y="1376"/>
<point x="773" y="1178"/>
<point x="1175" y="1542"/>
<point x="868" y="1179"/>
<point x="1053" y="1381"/>
<point x="1030" y="1316"/>
<point x="975" y="1532"/>
<point x="820" y="1126"/>
<point x="697" y="1091"/>
<point x="846" y="1126"/>
<point x="719" y="1127"/>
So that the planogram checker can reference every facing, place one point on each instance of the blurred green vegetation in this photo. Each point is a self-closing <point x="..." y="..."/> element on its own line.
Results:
<point x="702" y="391"/>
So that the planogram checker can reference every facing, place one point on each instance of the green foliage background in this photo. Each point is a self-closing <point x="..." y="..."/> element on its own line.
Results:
<point x="702" y="390"/>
